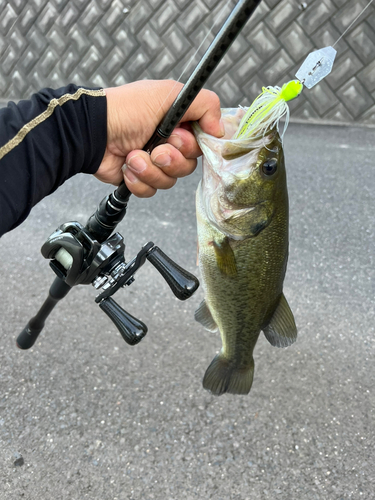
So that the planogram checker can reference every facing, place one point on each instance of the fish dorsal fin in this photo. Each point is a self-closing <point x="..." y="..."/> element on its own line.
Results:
<point x="281" y="330"/>
<point x="225" y="258"/>
<point x="204" y="317"/>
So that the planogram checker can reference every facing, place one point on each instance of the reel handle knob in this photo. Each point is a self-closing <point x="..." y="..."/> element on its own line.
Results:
<point x="182" y="283"/>
<point x="132" y="330"/>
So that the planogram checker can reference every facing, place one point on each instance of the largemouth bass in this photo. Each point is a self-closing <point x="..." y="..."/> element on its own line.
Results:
<point x="242" y="219"/>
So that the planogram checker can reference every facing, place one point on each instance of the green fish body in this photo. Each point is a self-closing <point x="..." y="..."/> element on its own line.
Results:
<point x="242" y="220"/>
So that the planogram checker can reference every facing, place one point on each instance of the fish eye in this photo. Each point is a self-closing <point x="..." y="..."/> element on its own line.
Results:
<point x="269" y="167"/>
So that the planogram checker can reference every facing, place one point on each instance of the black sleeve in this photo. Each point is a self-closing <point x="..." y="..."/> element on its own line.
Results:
<point x="44" y="141"/>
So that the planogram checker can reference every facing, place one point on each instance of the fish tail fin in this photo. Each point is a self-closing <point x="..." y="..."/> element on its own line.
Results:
<point x="223" y="376"/>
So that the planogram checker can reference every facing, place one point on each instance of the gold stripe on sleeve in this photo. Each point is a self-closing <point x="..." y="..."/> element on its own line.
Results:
<point x="28" y="127"/>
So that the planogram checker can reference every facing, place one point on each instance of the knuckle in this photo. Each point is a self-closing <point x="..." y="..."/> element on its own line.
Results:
<point x="143" y="191"/>
<point x="186" y="169"/>
<point x="169" y="184"/>
<point x="214" y="98"/>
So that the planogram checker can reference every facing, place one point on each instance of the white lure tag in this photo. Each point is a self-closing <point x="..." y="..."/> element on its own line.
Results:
<point x="316" y="66"/>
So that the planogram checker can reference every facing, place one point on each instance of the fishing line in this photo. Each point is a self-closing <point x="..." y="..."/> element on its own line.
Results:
<point x="195" y="53"/>
<point x="351" y="24"/>
<point x="270" y="106"/>
<point x="204" y="39"/>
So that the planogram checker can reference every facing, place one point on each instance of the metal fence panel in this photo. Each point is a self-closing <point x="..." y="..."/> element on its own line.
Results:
<point x="104" y="43"/>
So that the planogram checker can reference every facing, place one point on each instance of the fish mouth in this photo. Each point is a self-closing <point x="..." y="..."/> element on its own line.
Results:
<point x="229" y="214"/>
<point x="224" y="218"/>
<point x="230" y="211"/>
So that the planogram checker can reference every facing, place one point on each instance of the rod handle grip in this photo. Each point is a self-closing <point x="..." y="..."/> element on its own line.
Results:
<point x="28" y="336"/>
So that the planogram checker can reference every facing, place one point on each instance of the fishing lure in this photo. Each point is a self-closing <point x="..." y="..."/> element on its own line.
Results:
<point x="271" y="105"/>
<point x="267" y="110"/>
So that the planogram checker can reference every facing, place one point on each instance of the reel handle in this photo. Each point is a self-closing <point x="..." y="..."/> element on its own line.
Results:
<point x="182" y="283"/>
<point x="132" y="330"/>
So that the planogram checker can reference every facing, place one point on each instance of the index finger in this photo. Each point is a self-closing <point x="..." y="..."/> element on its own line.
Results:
<point x="206" y="110"/>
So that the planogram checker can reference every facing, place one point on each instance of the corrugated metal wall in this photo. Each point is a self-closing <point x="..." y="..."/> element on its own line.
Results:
<point x="104" y="43"/>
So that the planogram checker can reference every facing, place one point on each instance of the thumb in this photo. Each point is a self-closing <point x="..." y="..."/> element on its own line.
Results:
<point x="206" y="110"/>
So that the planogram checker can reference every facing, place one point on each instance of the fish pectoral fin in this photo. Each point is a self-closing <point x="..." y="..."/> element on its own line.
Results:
<point x="204" y="317"/>
<point x="281" y="330"/>
<point x="225" y="258"/>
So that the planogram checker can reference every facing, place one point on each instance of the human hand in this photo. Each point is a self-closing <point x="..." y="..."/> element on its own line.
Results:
<point x="134" y="111"/>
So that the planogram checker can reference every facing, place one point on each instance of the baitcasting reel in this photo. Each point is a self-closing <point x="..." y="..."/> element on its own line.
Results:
<point x="78" y="259"/>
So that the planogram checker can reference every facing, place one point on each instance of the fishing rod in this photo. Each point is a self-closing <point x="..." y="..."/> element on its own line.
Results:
<point x="91" y="254"/>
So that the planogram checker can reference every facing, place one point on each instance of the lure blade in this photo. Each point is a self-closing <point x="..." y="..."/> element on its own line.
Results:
<point x="316" y="66"/>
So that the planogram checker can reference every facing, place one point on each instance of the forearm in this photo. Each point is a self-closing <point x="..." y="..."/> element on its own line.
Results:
<point x="43" y="142"/>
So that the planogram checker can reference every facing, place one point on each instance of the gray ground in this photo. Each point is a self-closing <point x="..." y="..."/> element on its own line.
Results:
<point x="94" y="418"/>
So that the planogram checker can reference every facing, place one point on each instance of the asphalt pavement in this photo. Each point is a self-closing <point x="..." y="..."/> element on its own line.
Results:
<point x="84" y="415"/>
